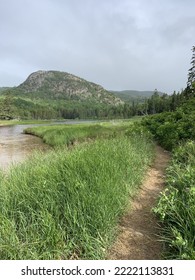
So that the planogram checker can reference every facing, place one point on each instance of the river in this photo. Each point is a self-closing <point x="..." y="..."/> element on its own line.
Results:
<point x="15" y="146"/>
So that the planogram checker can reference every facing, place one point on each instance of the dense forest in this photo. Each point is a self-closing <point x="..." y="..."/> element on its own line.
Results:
<point x="12" y="107"/>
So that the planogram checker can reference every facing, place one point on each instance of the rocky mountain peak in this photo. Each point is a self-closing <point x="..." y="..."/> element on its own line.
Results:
<point x="56" y="84"/>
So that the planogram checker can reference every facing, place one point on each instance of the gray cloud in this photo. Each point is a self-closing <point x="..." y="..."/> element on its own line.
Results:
<point x="143" y="44"/>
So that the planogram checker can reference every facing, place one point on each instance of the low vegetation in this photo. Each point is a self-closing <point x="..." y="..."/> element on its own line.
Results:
<point x="69" y="134"/>
<point x="65" y="204"/>
<point x="176" y="207"/>
<point x="173" y="128"/>
<point x="175" y="131"/>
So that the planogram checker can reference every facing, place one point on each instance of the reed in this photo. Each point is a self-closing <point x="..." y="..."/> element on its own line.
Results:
<point x="65" y="204"/>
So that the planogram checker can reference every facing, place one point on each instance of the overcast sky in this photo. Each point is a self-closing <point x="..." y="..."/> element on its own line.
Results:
<point x="119" y="44"/>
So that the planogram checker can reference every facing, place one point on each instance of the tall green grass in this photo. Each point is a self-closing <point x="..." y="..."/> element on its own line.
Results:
<point x="176" y="207"/>
<point x="66" y="204"/>
<point x="68" y="134"/>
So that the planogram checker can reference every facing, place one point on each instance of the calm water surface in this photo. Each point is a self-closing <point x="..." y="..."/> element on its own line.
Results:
<point x="15" y="146"/>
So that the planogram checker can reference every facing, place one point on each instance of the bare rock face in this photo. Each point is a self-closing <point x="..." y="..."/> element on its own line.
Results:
<point x="34" y="81"/>
<point x="56" y="84"/>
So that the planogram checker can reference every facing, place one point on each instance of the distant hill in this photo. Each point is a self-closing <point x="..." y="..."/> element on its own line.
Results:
<point x="130" y="95"/>
<point x="61" y="85"/>
<point x="55" y="94"/>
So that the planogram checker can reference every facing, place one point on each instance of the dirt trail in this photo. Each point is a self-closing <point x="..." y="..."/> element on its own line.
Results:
<point x="138" y="237"/>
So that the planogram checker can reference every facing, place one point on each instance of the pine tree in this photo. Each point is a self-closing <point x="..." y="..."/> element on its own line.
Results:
<point x="191" y="76"/>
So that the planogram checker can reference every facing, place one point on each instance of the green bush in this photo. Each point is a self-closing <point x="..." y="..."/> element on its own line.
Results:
<point x="176" y="207"/>
<point x="172" y="128"/>
<point x="175" y="131"/>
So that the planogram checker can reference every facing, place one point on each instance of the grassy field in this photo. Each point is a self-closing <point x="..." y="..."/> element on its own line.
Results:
<point x="60" y="135"/>
<point x="65" y="204"/>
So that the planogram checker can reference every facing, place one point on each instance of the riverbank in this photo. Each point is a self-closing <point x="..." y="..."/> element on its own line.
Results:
<point x="18" y="122"/>
<point x="68" y="134"/>
<point x="15" y="146"/>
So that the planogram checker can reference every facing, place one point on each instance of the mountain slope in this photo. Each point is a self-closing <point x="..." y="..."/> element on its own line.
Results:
<point x="62" y="85"/>
<point x="54" y="94"/>
<point x="2" y="89"/>
<point x="129" y="95"/>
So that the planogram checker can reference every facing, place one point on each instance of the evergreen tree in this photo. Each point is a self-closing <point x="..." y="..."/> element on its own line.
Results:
<point x="191" y="76"/>
<point x="153" y="103"/>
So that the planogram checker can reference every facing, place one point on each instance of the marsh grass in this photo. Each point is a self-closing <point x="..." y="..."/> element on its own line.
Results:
<point x="66" y="204"/>
<point x="59" y="135"/>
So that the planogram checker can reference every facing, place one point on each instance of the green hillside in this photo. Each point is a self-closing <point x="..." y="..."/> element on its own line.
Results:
<point x="131" y="95"/>
<point x="2" y="89"/>
<point x="64" y="86"/>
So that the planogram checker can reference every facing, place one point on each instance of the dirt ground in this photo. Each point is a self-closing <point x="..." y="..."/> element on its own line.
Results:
<point x="138" y="237"/>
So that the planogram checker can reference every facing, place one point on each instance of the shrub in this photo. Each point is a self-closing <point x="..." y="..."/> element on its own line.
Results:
<point x="176" y="207"/>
